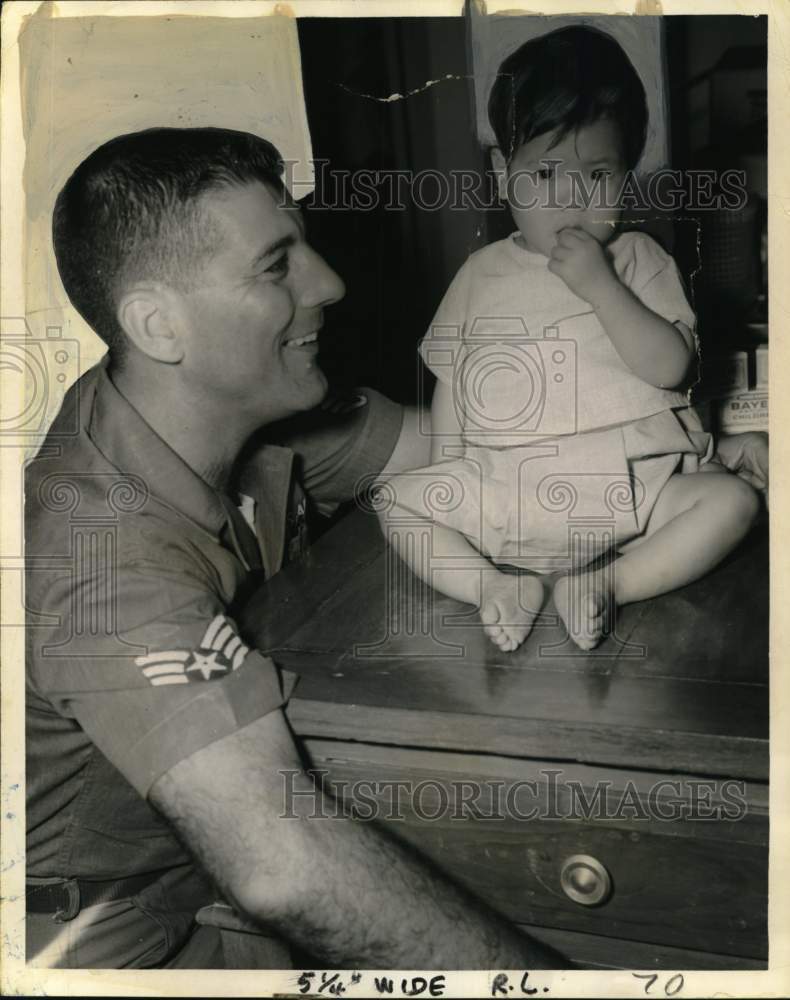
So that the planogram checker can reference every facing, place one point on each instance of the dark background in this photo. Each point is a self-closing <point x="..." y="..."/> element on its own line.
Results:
<point x="397" y="264"/>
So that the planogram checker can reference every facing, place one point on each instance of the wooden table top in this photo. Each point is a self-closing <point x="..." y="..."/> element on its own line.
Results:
<point x="683" y="687"/>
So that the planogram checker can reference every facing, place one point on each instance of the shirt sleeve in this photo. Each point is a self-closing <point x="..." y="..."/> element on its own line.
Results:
<point x="338" y="448"/>
<point x="163" y="674"/>
<point x="653" y="277"/>
<point x="442" y="348"/>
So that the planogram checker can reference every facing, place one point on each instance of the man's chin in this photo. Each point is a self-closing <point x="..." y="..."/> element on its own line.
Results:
<point x="311" y="392"/>
<point x="321" y="390"/>
<point x="305" y="395"/>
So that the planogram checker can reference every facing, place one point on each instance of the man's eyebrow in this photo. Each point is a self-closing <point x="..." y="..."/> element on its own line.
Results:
<point x="273" y="248"/>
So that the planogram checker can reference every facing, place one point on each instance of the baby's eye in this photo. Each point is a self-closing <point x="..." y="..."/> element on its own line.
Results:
<point x="544" y="173"/>
<point x="600" y="173"/>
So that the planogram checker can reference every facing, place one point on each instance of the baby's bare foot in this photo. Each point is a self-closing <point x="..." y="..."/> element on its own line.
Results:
<point x="508" y="608"/>
<point x="585" y="604"/>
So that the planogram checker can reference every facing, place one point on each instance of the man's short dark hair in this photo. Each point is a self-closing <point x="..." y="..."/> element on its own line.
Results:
<point x="563" y="80"/>
<point x="131" y="212"/>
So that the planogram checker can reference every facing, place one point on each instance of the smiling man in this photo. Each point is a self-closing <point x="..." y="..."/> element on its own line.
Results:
<point x="155" y="734"/>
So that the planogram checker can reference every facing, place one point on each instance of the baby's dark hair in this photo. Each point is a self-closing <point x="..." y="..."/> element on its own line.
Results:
<point x="563" y="80"/>
<point x="132" y="211"/>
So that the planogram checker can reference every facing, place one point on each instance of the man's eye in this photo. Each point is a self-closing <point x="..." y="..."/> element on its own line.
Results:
<point x="599" y="174"/>
<point x="544" y="173"/>
<point x="280" y="266"/>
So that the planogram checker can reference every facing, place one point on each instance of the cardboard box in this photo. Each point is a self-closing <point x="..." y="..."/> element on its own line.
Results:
<point x="761" y="366"/>
<point x="748" y="411"/>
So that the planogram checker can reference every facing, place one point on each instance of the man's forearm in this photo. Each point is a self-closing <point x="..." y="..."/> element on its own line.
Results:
<point x="341" y="888"/>
<point x="357" y="897"/>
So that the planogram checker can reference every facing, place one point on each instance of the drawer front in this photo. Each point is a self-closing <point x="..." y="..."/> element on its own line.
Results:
<point x="694" y="884"/>
<point x="592" y="951"/>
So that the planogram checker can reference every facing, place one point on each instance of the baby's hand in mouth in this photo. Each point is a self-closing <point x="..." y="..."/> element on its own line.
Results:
<point x="582" y="262"/>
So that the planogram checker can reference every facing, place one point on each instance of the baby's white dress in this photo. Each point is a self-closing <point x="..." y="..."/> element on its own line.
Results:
<point x="565" y="449"/>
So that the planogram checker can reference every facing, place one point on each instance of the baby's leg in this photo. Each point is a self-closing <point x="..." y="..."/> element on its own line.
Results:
<point x="696" y="521"/>
<point x="508" y="604"/>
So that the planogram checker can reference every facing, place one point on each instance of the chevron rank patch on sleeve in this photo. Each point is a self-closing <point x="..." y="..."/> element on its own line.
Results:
<point x="219" y="652"/>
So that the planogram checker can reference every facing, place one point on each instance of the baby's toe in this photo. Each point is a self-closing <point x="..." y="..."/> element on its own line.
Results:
<point x="492" y="630"/>
<point x="596" y="605"/>
<point x="489" y="615"/>
<point x="502" y="639"/>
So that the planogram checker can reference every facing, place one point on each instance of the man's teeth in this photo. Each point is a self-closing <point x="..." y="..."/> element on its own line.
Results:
<point x="299" y="342"/>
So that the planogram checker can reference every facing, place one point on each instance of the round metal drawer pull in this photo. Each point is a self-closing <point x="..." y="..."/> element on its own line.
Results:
<point x="585" y="880"/>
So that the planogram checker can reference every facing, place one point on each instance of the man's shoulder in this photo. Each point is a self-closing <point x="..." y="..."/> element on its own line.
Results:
<point x="79" y="511"/>
<point x="66" y="438"/>
<point x="71" y="478"/>
<point x="65" y="476"/>
<point x="74" y="495"/>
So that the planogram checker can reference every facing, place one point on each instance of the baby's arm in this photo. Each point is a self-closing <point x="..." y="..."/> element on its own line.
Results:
<point x="653" y="348"/>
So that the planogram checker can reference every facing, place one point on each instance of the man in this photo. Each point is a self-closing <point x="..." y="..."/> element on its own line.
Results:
<point x="155" y="735"/>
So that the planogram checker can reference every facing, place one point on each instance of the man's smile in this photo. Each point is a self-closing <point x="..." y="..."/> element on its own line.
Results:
<point x="301" y="342"/>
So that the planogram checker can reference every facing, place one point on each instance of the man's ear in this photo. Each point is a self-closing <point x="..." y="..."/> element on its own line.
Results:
<point x="147" y="317"/>
<point x="499" y="166"/>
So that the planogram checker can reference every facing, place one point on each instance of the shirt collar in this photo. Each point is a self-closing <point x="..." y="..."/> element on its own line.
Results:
<point x="131" y="445"/>
<point x="267" y="475"/>
<point x="126" y="440"/>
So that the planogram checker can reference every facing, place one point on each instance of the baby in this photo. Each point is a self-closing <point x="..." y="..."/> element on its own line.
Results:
<point x="560" y="437"/>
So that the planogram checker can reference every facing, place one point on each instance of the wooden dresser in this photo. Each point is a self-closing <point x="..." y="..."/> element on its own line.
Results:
<point x="614" y="803"/>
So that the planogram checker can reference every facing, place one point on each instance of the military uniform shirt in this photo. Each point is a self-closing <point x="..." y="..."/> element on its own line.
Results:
<point x="134" y="567"/>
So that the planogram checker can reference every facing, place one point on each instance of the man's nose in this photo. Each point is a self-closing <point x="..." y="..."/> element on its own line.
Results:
<point x="321" y="285"/>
